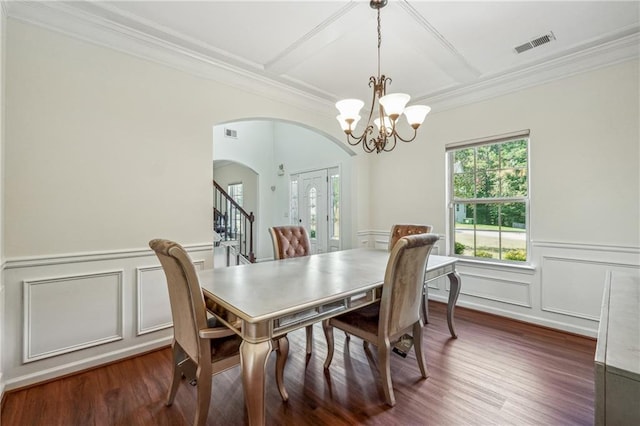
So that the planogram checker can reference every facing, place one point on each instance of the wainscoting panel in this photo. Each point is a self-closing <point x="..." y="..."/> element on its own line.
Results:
<point x="561" y="288"/>
<point x="495" y="288"/>
<point x="71" y="312"/>
<point x="55" y="323"/>
<point x="154" y="310"/>
<point x="574" y="286"/>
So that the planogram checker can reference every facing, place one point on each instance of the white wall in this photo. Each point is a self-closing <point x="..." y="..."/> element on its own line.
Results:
<point x="103" y="152"/>
<point x="585" y="192"/>
<point x="264" y="144"/>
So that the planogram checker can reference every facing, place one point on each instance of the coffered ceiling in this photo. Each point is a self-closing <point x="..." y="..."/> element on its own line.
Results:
<point x="443" y="53"/>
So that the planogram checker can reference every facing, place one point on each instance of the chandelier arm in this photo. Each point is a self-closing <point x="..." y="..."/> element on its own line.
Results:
<point x="355" y="140"/>
<point x="366" y="145"/>
<point x="372" y="80"/>
<point x="415" y="133"/>
<point x="388" y="147"/>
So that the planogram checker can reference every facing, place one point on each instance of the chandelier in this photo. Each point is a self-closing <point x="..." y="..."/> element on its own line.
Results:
<point x="389" y="108"/>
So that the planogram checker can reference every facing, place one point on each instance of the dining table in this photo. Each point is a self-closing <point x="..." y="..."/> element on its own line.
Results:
<point x="266" y="300"/>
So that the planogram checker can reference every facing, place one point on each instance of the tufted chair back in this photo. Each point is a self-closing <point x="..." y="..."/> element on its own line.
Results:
<point x="289" y="241"/>
<point x="402" y="230"/>
<point x="292" y="241"/>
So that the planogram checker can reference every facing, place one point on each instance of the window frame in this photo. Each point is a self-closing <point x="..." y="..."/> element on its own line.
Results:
<point x="451" y="200"/>
<point x="334" y="172"/>
<point x="234" y="194"/>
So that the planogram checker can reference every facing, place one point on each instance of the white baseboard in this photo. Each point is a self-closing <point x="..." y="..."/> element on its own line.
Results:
<point x="81" y="365"/>
<point x="531" y="319"/>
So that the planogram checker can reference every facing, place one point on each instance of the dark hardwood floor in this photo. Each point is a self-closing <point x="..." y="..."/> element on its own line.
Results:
<point x="498" y="372"/>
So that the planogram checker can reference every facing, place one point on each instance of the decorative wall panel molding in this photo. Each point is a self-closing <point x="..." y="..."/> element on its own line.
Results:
<point x="574" y="286"/>
<point x="586" y="247"/>
<point x="153" y="307"/>
<point x="60" y="259"/>
<point x="513" y="292"/>
<point x="73" y="312"/>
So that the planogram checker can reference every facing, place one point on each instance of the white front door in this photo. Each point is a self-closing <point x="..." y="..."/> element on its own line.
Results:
<point x="312" y="194"/>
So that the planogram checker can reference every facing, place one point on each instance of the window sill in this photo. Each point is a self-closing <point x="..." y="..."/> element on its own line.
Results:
<point x="524" y="268"/>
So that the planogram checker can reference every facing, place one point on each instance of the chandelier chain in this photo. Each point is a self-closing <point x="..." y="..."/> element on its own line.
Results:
<point x="379" y="41"/>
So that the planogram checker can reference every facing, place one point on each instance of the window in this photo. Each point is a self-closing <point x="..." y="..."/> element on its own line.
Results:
<point x="235" y="191"/>
<point x="334" y="205"/>
<point x="489" y="198"/>
<point x="293" y="205"/>
<point x="313" y="220"/>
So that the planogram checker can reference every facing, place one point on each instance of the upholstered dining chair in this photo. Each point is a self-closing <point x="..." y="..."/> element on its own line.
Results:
<point x="201" y="348"/>
<point x="292" y="241"/>
<point x="402" y="230"/>
<point x="398" y="311"/>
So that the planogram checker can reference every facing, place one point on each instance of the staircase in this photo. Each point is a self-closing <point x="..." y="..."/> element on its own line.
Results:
<point x="233" y="224"/>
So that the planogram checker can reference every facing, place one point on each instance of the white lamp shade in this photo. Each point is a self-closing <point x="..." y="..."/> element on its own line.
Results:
<point x="349" y="108"/>
<point x="345" y="125"/>
<point x="394" y="103"/>
<point x="388" y="126"/>
<point x="416" y="113"/>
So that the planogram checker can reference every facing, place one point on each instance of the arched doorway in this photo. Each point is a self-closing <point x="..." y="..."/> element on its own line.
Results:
<point x="277" y="150"/>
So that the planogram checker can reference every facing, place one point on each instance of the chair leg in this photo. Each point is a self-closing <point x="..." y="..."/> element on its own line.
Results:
<point x="328" y="334"/>
<point x="384" y="366"/>
<point x="175" y="381"/>
<point x="309" y="331"/>
<point x="417" y="347"/>
<point x="203" y="387"/>
<point x="281" y="359"/>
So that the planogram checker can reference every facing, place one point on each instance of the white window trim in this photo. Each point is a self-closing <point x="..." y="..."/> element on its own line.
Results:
<point x="449" y="205"/>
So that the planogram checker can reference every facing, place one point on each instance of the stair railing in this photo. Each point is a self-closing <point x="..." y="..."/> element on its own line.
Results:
<point x="233" y="223"/>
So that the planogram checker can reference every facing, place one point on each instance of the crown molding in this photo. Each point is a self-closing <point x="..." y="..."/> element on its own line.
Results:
<point x="619" y="50"/>
<point x="195" y="60"/>
<point x="151" y="42"/>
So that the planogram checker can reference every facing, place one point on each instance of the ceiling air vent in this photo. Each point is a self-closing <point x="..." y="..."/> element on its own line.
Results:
<point x="230" y="133"/>
<point x="538" y="41"/>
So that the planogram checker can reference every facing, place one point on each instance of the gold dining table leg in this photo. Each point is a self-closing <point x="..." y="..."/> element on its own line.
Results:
<point x="253" y="359"/>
